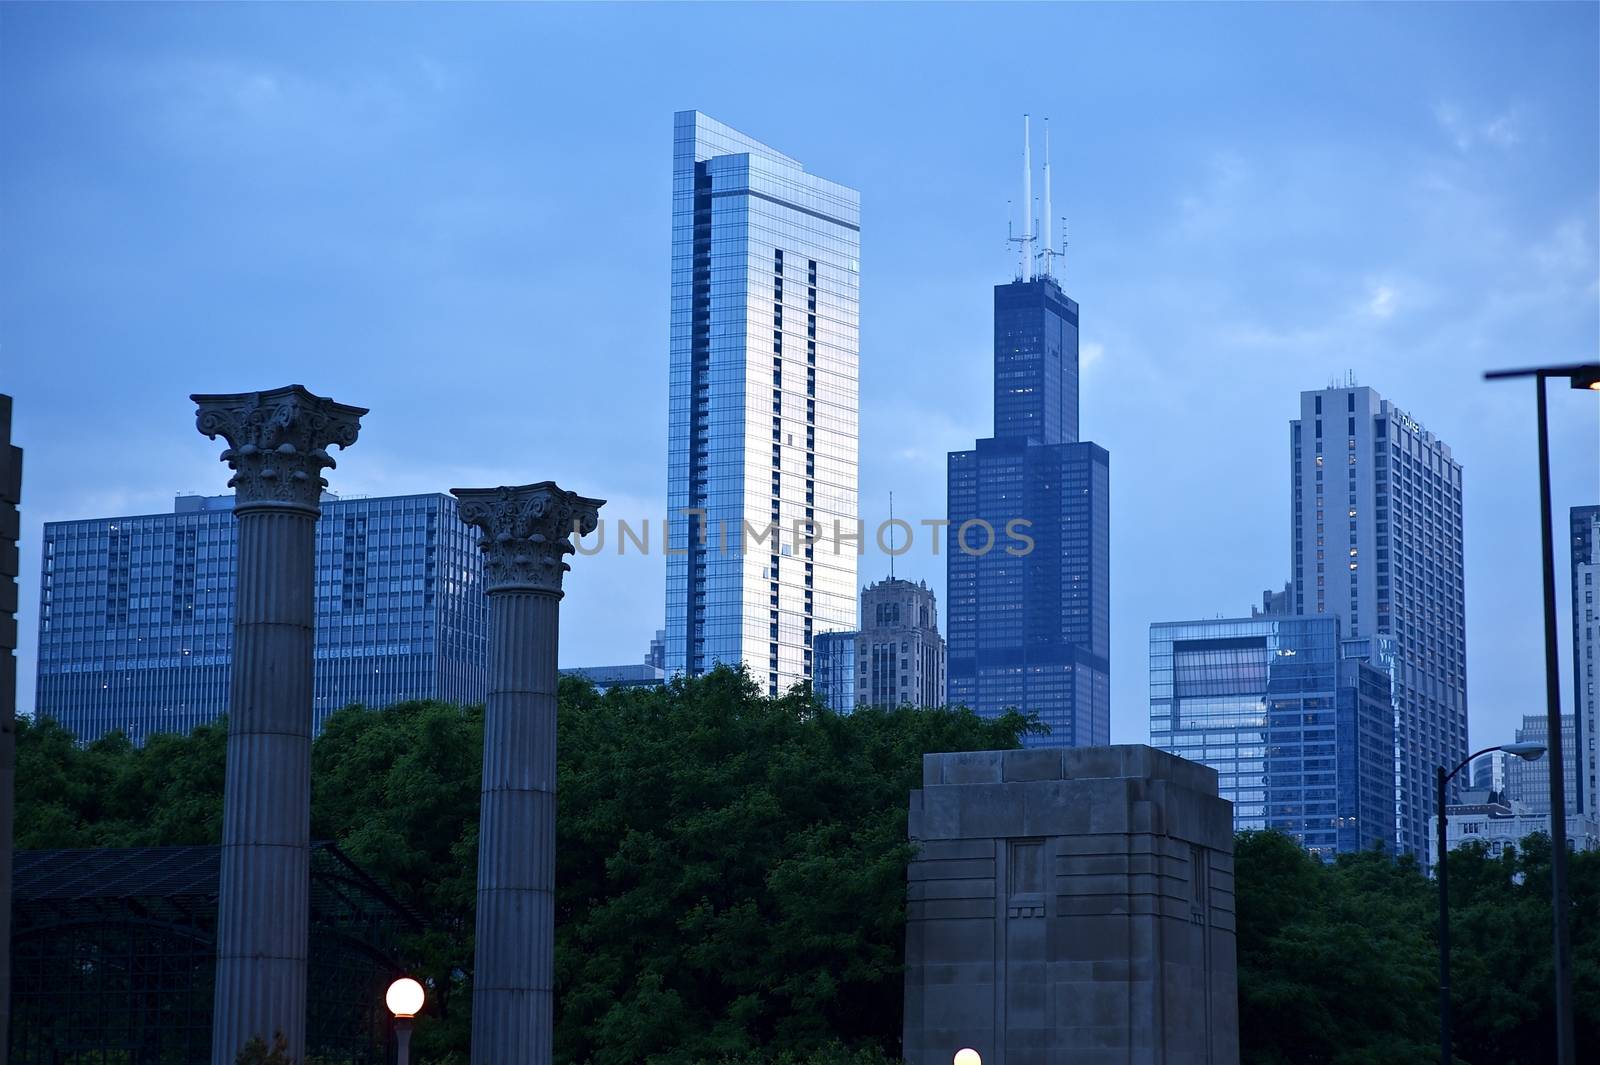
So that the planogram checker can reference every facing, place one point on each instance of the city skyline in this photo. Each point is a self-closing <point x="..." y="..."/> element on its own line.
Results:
<point x="1228" y="262"/>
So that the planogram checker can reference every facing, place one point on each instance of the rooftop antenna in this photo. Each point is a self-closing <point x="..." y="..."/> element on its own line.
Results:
<point x="1049" y="224"/>
<point x="1025" y="241"/>
<point x="891" y="536"/>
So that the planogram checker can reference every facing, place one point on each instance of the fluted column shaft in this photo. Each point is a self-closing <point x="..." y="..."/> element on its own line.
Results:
<point x="527" y="533"/>
<point x="263" y="905"/>
<point x="513" y="977"/>
<point x="277" y="450"/>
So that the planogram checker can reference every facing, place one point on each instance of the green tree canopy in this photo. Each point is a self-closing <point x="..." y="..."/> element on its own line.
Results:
<point x="731" y="882"/>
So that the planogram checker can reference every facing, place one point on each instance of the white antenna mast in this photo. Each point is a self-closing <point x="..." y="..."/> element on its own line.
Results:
<point x="1024" y="242"/>
<point x="1049" y="225"/>
<point x="1027" y="203"/>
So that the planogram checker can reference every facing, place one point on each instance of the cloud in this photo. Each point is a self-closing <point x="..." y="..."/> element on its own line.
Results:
<point x="1502" y="131"/>
<point x="1381" y="302"/>
<point x="1089" y="355"/>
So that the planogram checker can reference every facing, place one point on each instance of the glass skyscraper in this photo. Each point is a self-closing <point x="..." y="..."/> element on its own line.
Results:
<point x="1028" y="552"/>
<point x="762" y="417"/>
<point x="834" y="677"/>
<point x="136" y="613"/>
<point x="1376" y="542"/>
<point x="1298" y="725"/>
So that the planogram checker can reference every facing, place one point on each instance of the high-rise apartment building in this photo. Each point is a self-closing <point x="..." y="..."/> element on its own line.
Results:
<point x="900" y="656"/>
<point x="1028" y="552"/>
<point x="1376" y="542"/>
<point x="763" y="399"/>
<point x="1585" y="524"/>
<point x="1297" y="723"/>
<point x="136" y="613"/>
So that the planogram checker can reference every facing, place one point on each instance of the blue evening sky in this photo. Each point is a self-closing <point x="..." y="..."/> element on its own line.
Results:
<point x="458" y="216"/>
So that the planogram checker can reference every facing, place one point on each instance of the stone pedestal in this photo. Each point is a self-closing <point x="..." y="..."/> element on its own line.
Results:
<point x="526" y="532"/>
<point x="1071" y="906"/>
<point x="277" y="450"/>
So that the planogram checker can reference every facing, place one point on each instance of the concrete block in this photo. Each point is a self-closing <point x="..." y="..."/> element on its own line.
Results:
<point x="1111" y="958"/>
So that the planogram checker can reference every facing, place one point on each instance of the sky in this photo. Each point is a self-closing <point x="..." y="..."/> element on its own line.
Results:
<point x="458" y="216"/>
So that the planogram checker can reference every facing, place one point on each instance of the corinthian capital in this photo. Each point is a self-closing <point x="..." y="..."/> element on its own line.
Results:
<point x="526" y="532"/>
<point x="277" y="443"/>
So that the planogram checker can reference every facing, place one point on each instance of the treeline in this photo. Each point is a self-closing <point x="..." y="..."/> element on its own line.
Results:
<point x="731" y="881"/>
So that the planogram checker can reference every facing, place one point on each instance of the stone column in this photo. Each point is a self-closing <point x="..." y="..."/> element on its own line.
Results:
<point x="277" y="443"/>
<point x="526" y="531"/>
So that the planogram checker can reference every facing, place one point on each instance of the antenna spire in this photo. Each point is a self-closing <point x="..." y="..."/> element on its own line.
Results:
<point x="1027" y="203"/>
<point x="1049" y="225"/>
<point x="891" y="535"/>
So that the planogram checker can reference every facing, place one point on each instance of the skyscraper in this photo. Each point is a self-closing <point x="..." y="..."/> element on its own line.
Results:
<point x="1297" y="723"/>
<point x="136" y="613"/>
<point x="1585" y="523"/>
<point x="1528" y="783"/>
<point x="1376" y="541"/>
<point x="1028" y="553"/>
<point x="900" y="656"/>
<point x="763" y="399"/>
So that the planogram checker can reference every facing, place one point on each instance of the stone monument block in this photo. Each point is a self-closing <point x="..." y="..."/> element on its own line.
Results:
<point x="1070" y="906"/>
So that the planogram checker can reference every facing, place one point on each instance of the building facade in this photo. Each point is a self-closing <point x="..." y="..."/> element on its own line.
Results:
<point x="1585" y="526"/>
<point x="1482" y="819"/>
<point x="833" y="677"/>
<point x="1377" y="542"/>
<point x="900" y="656"/>
<point x="763" y="400"/>
<point x="1528" y="782"/>
<point x="1298" y="724"/>
<point x="136" y="613"/>
<point x="1028" y="544"/>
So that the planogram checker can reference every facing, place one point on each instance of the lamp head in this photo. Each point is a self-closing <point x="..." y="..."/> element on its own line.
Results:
<point x="1587" y="376"/>
<point x="968" y="1056"/>
<point x="404" y="997"/>
<point x="1528" y="752"/>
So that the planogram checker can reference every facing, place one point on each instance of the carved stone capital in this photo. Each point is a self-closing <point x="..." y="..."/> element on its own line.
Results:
<point x="277" y="443"/>
<point x="526" y="532"/>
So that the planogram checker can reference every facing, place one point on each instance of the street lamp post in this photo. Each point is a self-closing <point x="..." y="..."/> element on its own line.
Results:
<point x="404" y="999"/>
<point x="1586" y="376"/>
<point x="1441" y="866"/>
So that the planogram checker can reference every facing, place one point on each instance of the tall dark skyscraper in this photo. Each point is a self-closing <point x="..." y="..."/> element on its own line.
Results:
<point x="1028" y="553"/>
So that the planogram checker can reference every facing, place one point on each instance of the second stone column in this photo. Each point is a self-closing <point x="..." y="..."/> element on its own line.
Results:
<point x="527" y="532"/>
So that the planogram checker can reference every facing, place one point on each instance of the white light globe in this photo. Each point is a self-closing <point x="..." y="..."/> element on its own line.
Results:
<point x="404" y="997"/>
<point x="968" y="1056"/>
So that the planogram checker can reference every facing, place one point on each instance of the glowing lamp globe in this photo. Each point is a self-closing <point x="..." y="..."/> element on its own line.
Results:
<point x="404" y="997"/>
<point x="968" y="1056"/>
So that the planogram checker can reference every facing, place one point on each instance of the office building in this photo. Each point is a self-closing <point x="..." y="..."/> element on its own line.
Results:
<point x="1376" y="542"/>
<point x="900" y="656"/>
<point x="1489" y="772"/>
<point x="833" y="678"/>
<point x="136" y="613"/>
<point x="1585" y="525"/>
<point x="1528" y="782"/>
<point x="1028" y="545"/>
<point x="1298" y="724"/>
<point x="762" y="415"/>
<point x="628" y="675"/>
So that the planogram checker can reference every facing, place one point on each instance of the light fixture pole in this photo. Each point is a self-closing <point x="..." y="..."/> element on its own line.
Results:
<point x="404" y="999"/>
<point x="1441" y="866"/>
<point x="1586" y="376"/>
